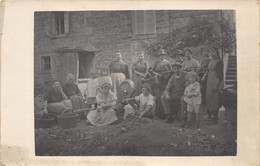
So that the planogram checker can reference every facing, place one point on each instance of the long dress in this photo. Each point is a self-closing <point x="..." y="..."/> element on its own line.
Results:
<point x="215" y="77"/>
<point x="92" y="87"/>
<point x="201" y="71"/>
<point x="55" y="103"/>
<point x="119" y="72"/>
<point x="103" y="117"/>
<point x="73" y="93"/>
<point x="139" y="66"/>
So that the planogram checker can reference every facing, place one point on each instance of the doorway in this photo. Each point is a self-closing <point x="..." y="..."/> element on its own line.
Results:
<point x="86" y="63"/>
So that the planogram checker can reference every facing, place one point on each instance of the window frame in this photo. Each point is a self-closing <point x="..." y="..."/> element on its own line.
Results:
<point x="66" y="26"/>
<point x="58" y="26"/>
<point x="43" y="69"/>
<point x="145" y="22"/>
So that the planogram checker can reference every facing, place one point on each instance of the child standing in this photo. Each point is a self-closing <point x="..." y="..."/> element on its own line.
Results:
<point x="147" y="103"/>
<point x="91" y="91"/>
<point x="104" y="73"/>
<point x="192" y="96"/>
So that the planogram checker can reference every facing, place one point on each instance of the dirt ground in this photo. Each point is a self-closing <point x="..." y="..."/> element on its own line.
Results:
<point x="138" y="137"/>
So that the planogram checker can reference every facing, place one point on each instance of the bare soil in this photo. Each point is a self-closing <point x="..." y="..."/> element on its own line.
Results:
<point x="138" y="137"/>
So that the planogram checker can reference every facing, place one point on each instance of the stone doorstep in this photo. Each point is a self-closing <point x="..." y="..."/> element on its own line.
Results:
<point x="231" y="77"/>
<point x="232" y="69"/>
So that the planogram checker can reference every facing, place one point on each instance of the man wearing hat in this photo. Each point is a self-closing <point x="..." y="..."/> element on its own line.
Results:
<point x="161" y="65"/>
<point x="178" y="56"/>
<point x="173" y="94"/>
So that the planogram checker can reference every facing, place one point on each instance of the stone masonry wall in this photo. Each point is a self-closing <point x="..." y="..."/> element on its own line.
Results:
<point x="108" y="31"/>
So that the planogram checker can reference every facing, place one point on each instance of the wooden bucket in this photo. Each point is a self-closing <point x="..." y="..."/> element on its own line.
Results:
<point x="68" y="119"/>
<point x="44" y="120"/>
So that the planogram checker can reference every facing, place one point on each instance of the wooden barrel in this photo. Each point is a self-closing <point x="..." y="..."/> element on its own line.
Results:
<point x="127" y="88"/>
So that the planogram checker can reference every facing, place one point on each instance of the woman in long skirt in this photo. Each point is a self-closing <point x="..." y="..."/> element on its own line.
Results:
<point x="119" y="72"/>
<point x="55" y="100"/>
<point x="104" y="114"/>
<point x="139" y="69"/>
<point x="73" y="93"/>
<point x="214" y="85"/>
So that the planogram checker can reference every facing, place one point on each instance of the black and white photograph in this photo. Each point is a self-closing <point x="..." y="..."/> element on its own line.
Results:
<point x="135" y="83"/>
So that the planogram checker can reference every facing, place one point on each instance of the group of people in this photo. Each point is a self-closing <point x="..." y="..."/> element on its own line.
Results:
<point x="180" y="89"/>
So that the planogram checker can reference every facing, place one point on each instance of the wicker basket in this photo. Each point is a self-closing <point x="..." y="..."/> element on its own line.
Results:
<point x="44" y="121"/>
<point x="68" y="120"/>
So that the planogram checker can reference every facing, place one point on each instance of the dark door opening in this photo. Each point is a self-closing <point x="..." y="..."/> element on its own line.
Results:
<point x="86" y="63"/>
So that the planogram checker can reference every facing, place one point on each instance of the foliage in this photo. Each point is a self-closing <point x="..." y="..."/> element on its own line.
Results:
<point x="196" y="33"/>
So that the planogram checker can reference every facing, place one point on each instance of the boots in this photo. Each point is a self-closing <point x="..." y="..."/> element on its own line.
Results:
<point x="188" y="124"/>
<point x="169" y="118"/>
<point x="184" y="121"/>
<point x="197" y="123"/>
<point x="197" y="120"/>
<point x="214" y="118"/>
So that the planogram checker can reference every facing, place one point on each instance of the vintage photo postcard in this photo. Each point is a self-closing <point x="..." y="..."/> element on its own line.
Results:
<point x="130" y="82"/>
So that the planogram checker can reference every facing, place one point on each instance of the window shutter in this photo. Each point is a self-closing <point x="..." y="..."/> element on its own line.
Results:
<point x="133" y="22"/>
<point x="66" y="22"/>
<point x="150" y="22"/>
<point x="140" y="25"/>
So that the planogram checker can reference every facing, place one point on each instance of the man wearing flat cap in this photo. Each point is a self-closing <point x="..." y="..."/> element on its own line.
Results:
<point x="173" y="94"/>
<point x="161" y="65"/>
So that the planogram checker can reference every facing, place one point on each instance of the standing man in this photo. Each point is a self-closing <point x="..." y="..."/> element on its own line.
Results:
<point x="173" y="94"/>
<point x="178" y="56"/>
<point x="119" y="72"/>
<point x="140" y="68"/>
<point x="162" y="65"/>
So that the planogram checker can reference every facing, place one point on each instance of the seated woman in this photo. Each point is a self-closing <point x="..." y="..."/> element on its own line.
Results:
<point x="73" y="93"/>
<point x="56" y="100"/>
<point x="106" y="100"/>
<point x="147" y="103"/>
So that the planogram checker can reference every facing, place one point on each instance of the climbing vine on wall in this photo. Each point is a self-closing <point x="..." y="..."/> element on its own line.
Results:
<point x="196" y="33"/>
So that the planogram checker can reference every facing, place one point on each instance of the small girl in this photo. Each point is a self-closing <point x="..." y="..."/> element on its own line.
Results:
<point x="104" y="73"/>
<point x="147" y="104"/>
<point x="91" y="91"/>
<point x="192" y="96"/>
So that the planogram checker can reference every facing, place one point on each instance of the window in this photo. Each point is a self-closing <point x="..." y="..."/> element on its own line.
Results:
<point x="46" y="63"/>
<point x="145" y="22"/>
<point x="59" y="23"/>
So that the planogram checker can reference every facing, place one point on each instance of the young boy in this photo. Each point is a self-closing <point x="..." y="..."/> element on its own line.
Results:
<point x="192" y="96"/>
<point x="147" y="104"/>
